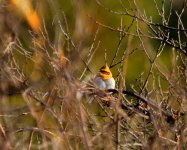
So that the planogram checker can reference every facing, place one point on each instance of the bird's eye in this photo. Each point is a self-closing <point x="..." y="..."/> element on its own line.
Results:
<point x="105" y="72"/>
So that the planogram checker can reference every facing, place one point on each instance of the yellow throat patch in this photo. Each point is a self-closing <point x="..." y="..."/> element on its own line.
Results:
<point x="105" y="72"/>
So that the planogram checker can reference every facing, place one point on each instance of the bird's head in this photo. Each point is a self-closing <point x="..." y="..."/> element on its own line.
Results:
<point x="105" y="72"/>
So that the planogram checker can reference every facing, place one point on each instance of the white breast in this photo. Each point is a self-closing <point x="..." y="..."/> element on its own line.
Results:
<point x="100" y="83"/>
<point x="105" y="84"/>
<point x="110" y="83"/>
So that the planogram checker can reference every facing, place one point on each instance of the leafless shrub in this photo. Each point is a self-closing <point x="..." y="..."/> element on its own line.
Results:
<point x="48" y="80"/>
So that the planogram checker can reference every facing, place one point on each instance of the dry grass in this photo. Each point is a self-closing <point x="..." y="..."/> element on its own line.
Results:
<point x="45" y="84"/>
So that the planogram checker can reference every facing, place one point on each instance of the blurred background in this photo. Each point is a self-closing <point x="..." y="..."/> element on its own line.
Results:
<point x="81" y="19"/>
<point x="38" y="38"/>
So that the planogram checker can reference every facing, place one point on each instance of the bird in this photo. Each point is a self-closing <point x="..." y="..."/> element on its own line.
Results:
<point x="104" y="79"/>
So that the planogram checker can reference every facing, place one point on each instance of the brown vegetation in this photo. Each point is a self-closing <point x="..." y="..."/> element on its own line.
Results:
<point x="47" y="58"/>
